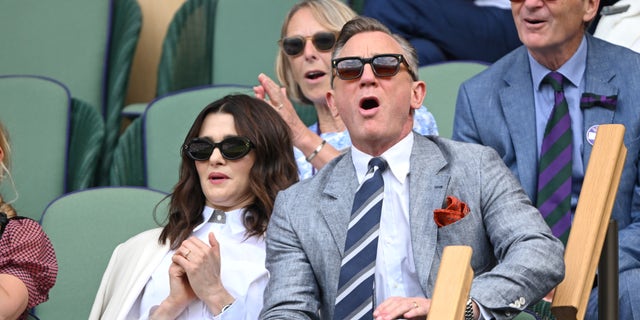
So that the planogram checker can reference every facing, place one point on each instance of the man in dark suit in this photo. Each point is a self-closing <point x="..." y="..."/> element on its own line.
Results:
<point x="507" y="107"/>
<point x="479" y="30"/>
<point x="516" y="259"/>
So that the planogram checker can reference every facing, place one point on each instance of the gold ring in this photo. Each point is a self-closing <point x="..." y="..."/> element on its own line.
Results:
<point x="186" y="255"/>
<point x="415" y="305"/>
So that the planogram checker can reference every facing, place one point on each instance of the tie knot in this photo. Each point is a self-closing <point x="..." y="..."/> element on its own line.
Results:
<point x="555" y="79"/>
<point x="377" y="162"/>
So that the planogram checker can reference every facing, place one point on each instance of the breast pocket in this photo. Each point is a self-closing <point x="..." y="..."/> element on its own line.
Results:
<point x="468" y="231"/>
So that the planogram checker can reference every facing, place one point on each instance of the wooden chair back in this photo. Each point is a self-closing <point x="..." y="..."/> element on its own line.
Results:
<point x="453" y="284"/>
<point x="590" y="222"/>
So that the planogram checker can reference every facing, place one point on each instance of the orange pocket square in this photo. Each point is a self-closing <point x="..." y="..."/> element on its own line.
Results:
<point x="454" y="211"/>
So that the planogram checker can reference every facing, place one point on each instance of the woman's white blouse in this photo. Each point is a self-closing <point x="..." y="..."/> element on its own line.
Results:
<point x="242" y="271"/>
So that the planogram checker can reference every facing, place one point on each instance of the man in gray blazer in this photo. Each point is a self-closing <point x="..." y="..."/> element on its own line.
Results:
<point x="507" y="107"/>
<point x="516" y="259"/>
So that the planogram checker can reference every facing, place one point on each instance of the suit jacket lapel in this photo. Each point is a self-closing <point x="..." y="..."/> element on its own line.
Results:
<point x="598" y="81"/>
<point x="518" y="113"/>
<point x="428" y="188"/>
<point x="338" y="199"/>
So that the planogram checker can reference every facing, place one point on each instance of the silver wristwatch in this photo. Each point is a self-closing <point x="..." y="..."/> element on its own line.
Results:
<point x="468" y="310"/>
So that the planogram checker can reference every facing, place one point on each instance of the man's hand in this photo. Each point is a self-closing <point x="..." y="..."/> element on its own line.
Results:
<point x="399" y="307"/>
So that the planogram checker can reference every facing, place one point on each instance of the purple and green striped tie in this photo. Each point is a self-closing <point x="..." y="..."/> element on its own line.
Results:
<point x="554" y="168"/>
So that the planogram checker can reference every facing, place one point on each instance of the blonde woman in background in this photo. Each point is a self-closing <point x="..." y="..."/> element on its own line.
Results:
<point x="303" y="66"/>
<point x="28" y="265"/>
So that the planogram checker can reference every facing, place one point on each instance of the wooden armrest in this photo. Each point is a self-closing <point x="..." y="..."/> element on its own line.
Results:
<point x="452" y="287"/>
<point x="590" y="222"/>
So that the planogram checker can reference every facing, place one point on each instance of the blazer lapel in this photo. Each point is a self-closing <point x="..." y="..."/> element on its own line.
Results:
<point x="427" y="192"/>
<point x="338" y="199"/>
<point x="598" y="80"/>
<point x="518" y="113"/>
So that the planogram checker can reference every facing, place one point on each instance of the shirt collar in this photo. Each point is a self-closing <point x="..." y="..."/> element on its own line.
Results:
<point x="573" y="69"/>
<point x="234" y="220"/>
<point x="396" y="157"/>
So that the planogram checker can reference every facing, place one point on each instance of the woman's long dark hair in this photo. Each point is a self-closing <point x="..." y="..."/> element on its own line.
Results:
<point x="274" y="168"/>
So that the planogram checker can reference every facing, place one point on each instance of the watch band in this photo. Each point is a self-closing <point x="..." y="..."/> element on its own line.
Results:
<point x="468" y="310"/>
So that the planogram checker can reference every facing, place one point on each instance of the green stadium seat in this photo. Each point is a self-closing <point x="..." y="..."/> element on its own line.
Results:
<point x="443" y="81"/>
<point x="47" y="162"/>
<point x="85" y="227"/>
<point x="87" y="45"/>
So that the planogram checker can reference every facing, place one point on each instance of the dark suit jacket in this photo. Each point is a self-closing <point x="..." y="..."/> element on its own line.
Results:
<point x="515" y="257"/>
<point x="496" y="109"/>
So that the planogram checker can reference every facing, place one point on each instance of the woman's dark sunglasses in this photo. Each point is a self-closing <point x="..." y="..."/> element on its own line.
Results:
<point x="293" y="46"/>
<point x="383" y="65"/>
<point x="231" y="148"/>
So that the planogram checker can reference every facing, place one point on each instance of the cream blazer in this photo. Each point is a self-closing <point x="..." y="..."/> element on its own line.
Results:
<point x="129" y="269"/>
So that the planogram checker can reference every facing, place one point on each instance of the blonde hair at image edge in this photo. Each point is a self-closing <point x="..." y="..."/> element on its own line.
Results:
<point x="4" y="170"/>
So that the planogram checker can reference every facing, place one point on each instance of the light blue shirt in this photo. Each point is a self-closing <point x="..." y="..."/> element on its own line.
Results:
<point x="573" y="71"/>
<point x="423" y="122"/>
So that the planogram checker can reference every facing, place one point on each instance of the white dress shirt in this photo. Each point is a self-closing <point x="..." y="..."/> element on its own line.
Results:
<point x="395" y="268"/>
<point x="242" y="271"/>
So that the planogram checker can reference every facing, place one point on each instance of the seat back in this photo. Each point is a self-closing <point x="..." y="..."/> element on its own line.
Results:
<point x="443" y="81"/>
<point x="87" y="45"/>
<point x="62" y="40"/>
<point x="590" y="222"/>
<point x="240" y="53"/>
<point x="36" y="113"/>
<point x="185" y="59"/>
<point x="215" y="34"/>
<point x="165" y="124"/>
<point x="453" y="284"/>
<point x="85" y="227"/>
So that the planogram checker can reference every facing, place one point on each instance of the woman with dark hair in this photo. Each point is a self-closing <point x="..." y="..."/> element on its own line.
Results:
<point x="28" y="265"/>
<point x="208" y="260"/>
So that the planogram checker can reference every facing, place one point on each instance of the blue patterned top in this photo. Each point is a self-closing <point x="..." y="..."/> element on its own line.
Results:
<point x="423" y="123"/>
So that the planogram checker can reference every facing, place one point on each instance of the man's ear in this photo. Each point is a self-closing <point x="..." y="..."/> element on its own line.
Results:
<point x="590" y="10"/>
<point x="418" y="92"/>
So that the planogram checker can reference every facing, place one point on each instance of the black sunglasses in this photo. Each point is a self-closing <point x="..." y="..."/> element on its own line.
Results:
<point x="293" y="46"/>
<point x="383" y="65"/>
<point x="232" y="148"/>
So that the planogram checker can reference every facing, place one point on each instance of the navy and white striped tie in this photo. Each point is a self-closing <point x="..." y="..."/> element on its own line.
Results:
<point x="356" y="284"/>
